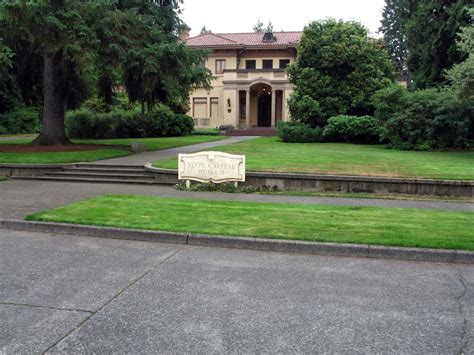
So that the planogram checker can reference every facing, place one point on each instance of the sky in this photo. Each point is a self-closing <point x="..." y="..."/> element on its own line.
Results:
<point x="221" y="16"/>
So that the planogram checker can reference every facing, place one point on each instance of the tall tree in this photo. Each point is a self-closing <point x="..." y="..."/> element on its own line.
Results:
<point x="204" y="31"/>
<point x="60" y="31"/>
<point x="394" y="14"/>
<point x="77" y="40"/>
<point x="431" y="30"/>
<point x="461" y="76"/>
<point x="338" y="68"/>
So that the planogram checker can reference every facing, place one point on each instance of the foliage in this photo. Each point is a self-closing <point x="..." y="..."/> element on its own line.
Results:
<point x="297" y="132"/>
<point x="160" y="122"/>
<point x="431" y="30"/>
<point x="338" y="67"/>
<point x="80" y="43"/>
<point x="461" y="76"/>
<point x="388" y="101"/>
<point x="352" y="129"/>
<point x="204" y="31"/>
<point x="228" y="187"/>
<point x="260" y="27"/>
<point x="393" y="15"/>
<point x="19" y="121"/>
<point x="305" y="109"/>
<point x="431" y="119"/>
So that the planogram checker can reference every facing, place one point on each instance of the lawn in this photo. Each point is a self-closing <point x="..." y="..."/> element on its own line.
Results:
<point x="272" y="155"/>
<point x="363" y="225"/>
<point x="99" y="154"/>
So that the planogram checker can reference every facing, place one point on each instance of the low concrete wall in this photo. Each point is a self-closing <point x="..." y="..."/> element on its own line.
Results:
<point x="9" y="170"/>
<point x="337" y="183"/>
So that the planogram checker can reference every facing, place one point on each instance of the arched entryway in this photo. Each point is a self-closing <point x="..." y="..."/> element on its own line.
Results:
<point x="260" y="105"/>
<point x="264" y="110"/>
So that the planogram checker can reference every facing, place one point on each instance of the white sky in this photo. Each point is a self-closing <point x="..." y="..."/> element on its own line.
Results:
<point x="222" y="16"/>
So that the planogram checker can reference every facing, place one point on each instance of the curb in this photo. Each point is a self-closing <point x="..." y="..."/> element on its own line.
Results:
<point x="273" y="245"/>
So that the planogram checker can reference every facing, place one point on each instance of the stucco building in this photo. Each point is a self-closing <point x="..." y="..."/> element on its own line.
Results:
<point x="250" y="88"/>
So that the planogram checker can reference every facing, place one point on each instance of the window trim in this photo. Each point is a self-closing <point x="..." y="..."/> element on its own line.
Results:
<point x="222" y="68"/>
<point x="267" y="61"/>
<point x="217" y="101"/>
<point x="288" y="62"/>
<point x="247" y="61"/>
<point x="204" y="99"/>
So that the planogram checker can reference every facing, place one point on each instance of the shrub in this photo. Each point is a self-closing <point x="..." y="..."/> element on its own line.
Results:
<point x="20" y="121"/>
<point x="431" y="119"/>
<point x="352" y="129"/>
<point x="85" y="123"/>
<point x="305" y="109"/>
<point x="297" y="132"/>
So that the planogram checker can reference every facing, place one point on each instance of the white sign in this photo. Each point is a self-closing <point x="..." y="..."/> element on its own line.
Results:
<point x="213" y="167"/>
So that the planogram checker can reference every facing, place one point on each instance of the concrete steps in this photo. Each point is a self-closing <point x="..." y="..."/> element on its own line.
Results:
<point x="96" y="173"/>
<point x="256" y="131"/>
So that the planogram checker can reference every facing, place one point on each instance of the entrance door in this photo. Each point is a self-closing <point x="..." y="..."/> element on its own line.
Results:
<point x="265" y="110"/>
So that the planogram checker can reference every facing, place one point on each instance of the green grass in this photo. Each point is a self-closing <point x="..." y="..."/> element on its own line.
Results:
<point x="156" y="143"/>
<point x="271" y="155"/>
<point x="100" y="154"/>
<point x="367" y="225"/>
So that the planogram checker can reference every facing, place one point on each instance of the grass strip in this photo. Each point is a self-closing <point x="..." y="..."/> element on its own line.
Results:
<point x="425" y="228"/>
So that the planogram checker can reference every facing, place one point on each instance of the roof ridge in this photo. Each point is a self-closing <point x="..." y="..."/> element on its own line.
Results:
<point x="249" y="33"/>
<point x="220" y="36"/>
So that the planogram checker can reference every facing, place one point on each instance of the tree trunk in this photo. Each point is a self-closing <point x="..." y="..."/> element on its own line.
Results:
<point x="53" y="129"/>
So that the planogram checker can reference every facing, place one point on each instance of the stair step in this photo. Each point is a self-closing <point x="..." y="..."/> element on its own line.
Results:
<point x="118" y="175"/>
<point x="104" y="166"/>
<point x="105" y="171"/>
<point x="92" y="180"/>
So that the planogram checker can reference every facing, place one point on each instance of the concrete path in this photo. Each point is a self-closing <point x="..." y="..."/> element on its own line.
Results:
<point x="147" y="157"/>
<point x="19" y="198"/>
<point x="67" y="294"/>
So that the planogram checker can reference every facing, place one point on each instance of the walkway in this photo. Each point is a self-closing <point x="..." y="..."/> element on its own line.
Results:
<point x="65" y="294"/>
<point x="147" y="157"/>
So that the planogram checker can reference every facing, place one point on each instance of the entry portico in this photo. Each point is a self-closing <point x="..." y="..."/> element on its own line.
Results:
<point x="250" y="86"/>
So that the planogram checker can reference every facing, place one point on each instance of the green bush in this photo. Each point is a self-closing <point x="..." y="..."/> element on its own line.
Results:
<point x="352" y="129"/>
<point x="162" y="121"/>
<point x="20" y="121"/>
<point x="431" y="119"/>
<point x="296" y="132"/>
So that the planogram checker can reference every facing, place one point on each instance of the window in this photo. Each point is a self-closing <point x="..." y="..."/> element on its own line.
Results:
<point x="214" y="107"/>
<point x="199" y="107"/>
<point x="267" y="64"/>
<point x="251" y="64"/>
<point x="284" y="63"/>
<point x="220" y="66"/>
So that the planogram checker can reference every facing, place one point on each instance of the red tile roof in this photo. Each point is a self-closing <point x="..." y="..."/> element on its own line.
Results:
<point x="238" y="40"/>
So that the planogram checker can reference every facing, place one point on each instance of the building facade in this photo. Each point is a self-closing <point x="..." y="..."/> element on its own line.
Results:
<point x="250" y="86"/>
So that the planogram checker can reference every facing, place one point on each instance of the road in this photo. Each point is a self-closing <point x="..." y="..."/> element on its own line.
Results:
<point x="67" y="294"/>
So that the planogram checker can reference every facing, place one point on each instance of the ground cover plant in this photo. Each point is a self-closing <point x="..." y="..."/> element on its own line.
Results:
<point x="272" y="155"/>
<point x="363" y="225"/>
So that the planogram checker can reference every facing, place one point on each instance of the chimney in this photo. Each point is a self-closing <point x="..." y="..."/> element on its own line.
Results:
<point x="184" y="32"/>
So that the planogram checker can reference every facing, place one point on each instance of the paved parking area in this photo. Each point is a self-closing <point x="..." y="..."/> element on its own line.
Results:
<point x="67" y="294"/>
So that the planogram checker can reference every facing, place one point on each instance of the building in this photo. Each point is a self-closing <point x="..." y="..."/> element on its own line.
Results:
<point x="250" y="88"/>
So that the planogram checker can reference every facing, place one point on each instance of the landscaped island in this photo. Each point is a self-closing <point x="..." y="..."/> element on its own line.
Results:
<point x="272" y="155"/>
<point x="362" y="225"/>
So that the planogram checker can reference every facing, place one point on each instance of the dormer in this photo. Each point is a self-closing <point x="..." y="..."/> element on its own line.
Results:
<point x="269" y="37"/>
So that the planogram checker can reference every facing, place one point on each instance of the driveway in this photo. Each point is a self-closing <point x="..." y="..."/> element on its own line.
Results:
<point x="67" y="294"/>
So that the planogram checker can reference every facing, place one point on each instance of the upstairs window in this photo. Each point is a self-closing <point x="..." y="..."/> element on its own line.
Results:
<point x="284" y="63"/>
<point x="251" y="64"/>
<point x="220" y="66"/>
<point x="267" y="64"/>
